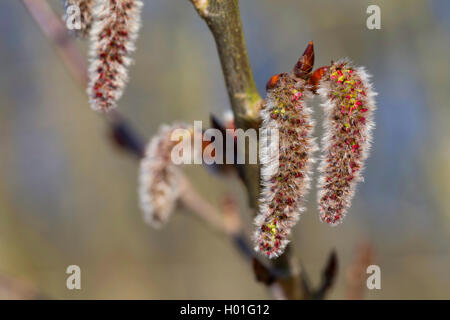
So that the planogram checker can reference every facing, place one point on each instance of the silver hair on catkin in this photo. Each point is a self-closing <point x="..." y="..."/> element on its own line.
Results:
<point x="285" y="180"/>
<point x="113" y="35"/>
<point x="349" y="106"/>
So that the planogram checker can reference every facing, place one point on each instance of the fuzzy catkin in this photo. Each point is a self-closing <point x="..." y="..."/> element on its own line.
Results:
<point x="86" y="19"/>
<point x="349" y="106"/>
<point x="284" y="187"/>
<point x="159" y="177"/>
<point x="113" y="36"/>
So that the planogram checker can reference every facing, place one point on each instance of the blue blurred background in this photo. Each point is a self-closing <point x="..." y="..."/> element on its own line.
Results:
<point x="69" y="197"/>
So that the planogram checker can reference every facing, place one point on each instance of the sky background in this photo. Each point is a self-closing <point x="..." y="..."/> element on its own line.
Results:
<point x="68" y="197"/>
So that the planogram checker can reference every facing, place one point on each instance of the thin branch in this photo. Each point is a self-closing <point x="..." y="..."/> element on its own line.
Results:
<point x="13" y="289"/>
<point x="224" y="21"/>
<point x="53" y="28"/>
<point x="328" y="277"/>
<point x="191" y="199"/>
<point x="356" y="272"/>
<point x="226" y="221"/>
<point x="292" y="276"/>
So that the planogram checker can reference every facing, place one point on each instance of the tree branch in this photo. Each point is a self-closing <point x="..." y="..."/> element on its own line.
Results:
<point x="225" y="221"/>
<point x="190" y="199"/>
<point x="54" y="29"/>
<point x="13" y="289"/>
<point x="356" y="272"/>
<point x="224" y="21"/>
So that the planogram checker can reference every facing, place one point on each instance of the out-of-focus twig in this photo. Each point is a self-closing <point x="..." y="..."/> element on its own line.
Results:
<point x="124" y="136"/>
<point x="54" y="29"/>
<point x="13" y="289"/>
<point x="226" y="221"/>
<point x="233" y="227"/>
<point x="268" y="277"/>
<point x="328" y="276"/>
<point x="191" y="200"/>
<point x="356" y="272"/>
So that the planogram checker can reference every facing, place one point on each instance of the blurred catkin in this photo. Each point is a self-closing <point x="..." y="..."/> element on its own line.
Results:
<point x="159" y="177"/>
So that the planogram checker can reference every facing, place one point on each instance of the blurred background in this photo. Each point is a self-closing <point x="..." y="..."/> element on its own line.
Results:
<point x="67" y="196"/>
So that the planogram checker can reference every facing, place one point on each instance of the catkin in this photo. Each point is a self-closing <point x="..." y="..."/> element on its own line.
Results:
<point x="284" y="186"/>
<point x="113" y="36"/>
<point x="349" y="106"/>
<point x="159" y="177"/>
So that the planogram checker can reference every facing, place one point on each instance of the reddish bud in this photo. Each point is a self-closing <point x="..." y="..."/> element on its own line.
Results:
<point x="316" y="77"/>
<point x="305" y="64"/>
<point x="273" y="82"/>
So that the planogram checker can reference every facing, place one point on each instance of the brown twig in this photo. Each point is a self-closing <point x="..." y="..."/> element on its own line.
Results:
<point x="13" y="289"/>
<point x="226" y="221"/>
<point x="224" y="21"/>
<point x="191" y="199"/>
<point x="54" y="29"/>
<point x="356" y="272"/>
<point x="270" y="278"/>
<point x="328" y="277"/>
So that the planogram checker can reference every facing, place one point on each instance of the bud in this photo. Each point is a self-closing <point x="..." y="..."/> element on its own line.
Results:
<point x="227" y="128"/>
<point x="316" y="77"/>
<point x="305" y="64"/>
<point x="273" y="81"/>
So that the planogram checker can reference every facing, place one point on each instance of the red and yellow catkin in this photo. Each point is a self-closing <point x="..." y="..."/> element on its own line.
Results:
<point x="285" y="179"/>
<point x="113" y="35"/>
<point x="349" y="106"/>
